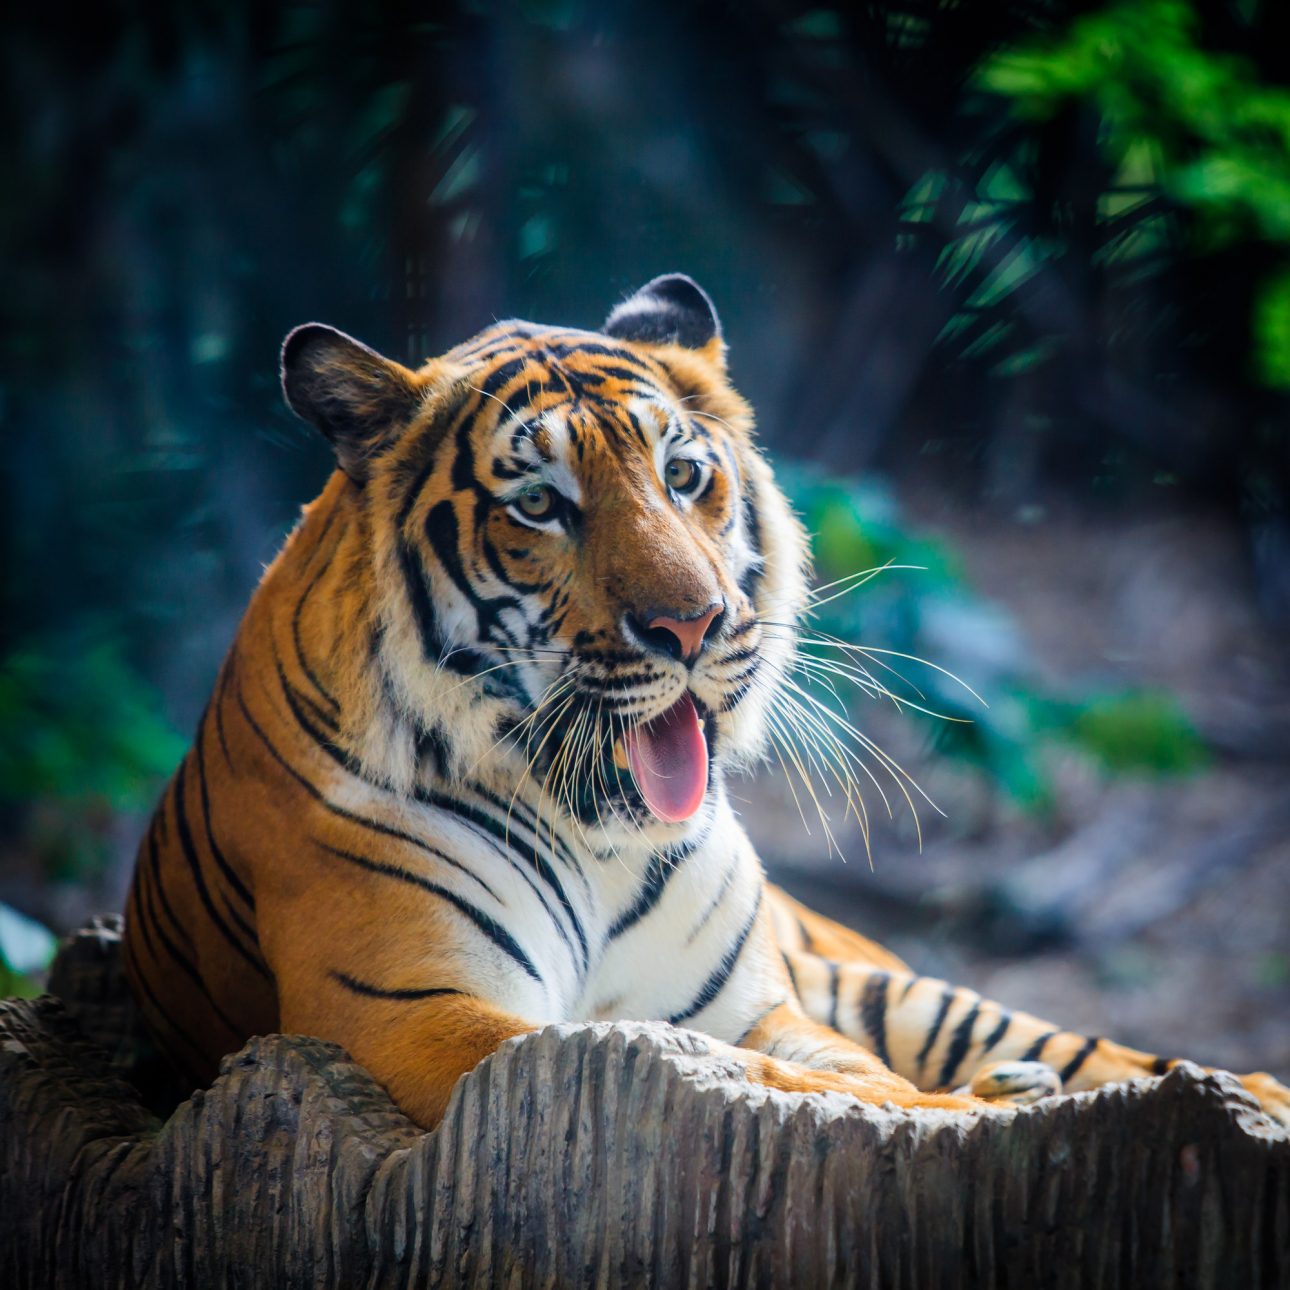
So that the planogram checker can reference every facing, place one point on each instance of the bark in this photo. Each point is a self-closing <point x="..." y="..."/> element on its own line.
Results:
<point x="597" y="1155"/>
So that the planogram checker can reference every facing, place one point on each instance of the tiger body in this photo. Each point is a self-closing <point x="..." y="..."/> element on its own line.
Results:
<point x="464" y="769"/>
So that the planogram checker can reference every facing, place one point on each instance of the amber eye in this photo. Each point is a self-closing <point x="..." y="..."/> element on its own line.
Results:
<point x="682" y="475"/>
<point x="537" y="502"/>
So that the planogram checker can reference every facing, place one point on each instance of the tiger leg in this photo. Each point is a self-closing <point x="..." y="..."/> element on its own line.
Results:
<point x="940" y="1036"/>
<point x="417" y="1048"/>
<point x="786" y="1050"/>
<point x="409" y="986"/>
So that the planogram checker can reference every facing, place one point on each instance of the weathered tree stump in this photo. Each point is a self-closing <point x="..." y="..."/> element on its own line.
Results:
<point x="604" y="1155"/>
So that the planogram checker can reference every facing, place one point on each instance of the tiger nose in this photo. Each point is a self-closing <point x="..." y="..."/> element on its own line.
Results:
<point x="681" y="638"/>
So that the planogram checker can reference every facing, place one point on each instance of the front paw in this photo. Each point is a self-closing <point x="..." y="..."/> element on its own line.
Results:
<point x="1014" y="1083"/>
<point x="1272" y="1095"/>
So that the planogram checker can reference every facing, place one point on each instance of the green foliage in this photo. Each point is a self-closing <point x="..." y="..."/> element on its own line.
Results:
<point x="1217" y="140"/>
<point x="80" y="725"/>
<point x="16" y="984"/>
<point x="923" y="607"/>
<point x="82" y="734"/>
<point x="1027" y="231"/>
<point x="1139" y="731"/>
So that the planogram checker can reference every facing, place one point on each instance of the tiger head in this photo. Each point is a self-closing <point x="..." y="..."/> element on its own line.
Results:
<point x="578" y="567"/>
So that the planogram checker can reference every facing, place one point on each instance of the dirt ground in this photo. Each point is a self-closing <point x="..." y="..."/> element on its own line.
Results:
<point x="1155" y="911"/>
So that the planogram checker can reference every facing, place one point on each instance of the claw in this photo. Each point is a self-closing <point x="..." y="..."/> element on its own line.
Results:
<point x="1019" y="1083"/>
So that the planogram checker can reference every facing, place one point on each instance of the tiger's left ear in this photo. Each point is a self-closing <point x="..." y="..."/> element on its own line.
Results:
<point x="358" y="399"/>
<point x="671" y="310"/>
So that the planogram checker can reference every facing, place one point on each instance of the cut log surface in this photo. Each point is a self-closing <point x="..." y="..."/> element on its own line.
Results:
<point x="606" y="1155"/>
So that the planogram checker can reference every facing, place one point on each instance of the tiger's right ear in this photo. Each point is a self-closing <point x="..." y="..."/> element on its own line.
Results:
<point x="670" y="310"/>
<point x="359" y="400"/>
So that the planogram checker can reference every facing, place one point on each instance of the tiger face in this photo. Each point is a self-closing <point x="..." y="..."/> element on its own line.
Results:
<point x="581" y="570"/>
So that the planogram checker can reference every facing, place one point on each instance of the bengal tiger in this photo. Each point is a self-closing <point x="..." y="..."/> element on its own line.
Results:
<point x="464" y="769"/>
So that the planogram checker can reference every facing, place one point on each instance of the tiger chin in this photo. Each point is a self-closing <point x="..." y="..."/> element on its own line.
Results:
<point x="463" y="772"/>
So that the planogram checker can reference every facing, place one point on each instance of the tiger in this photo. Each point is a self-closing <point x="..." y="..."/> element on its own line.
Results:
<point x="464" y="770"/>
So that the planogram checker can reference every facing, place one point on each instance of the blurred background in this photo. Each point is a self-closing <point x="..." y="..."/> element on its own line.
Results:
<point x="1008" y="283"/>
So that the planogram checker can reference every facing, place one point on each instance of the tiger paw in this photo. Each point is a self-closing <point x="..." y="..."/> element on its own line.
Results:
<point x="1015" y="1083"/>
<point x="1272" y="1095"/>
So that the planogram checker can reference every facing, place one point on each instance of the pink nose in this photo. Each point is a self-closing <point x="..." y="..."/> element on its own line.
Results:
<point x="689" y="633"/>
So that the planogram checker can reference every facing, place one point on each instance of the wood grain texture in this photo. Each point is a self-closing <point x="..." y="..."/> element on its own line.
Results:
<point x="607" y="1155"/>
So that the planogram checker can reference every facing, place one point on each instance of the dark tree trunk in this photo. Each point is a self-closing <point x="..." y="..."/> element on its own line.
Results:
<point x="604" y="1155"/>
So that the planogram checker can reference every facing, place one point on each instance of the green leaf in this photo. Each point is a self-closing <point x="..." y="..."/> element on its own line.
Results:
<point x="1137" y="731"/>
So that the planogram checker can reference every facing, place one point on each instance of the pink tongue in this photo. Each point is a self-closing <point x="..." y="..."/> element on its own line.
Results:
<point x="669" y="761"/>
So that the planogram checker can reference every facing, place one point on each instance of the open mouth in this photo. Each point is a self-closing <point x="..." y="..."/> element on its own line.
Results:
<point x="668" y="760"/>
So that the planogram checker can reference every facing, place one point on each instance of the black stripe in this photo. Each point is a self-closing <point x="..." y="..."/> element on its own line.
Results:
<point x="493" y="930"/>
<point x="751" y="576"/>
<point x="833" y="996"/>
<point x="199" y="879"/>
<point x="740" y="655"/>
<point x="657" y="872"/>
<point x="499" y="376"/>
<point x="715" y="903"/>
<point x="136" y="904"/>
<point x="355" y="986"/>
<point x="471" y="814"/>
<point x="414" y="584"/>
<point x="142" y="982"/>
<point x="361" y="820"/>
<point x="740" y="688"/>
<point x="423" y="474"/>
<point x="444" y="534"/>
<point x="1078" y="1060"/>
<point x="717" y="981"/>
<point x="1161" y="1065"/>
<point x="792" y="976"/>
<point x="1032" y="1053"/>
<point x="1005" y="1020"/>
<point x="218" y="704"/>
<point x="154" y="868"/>
<point x="807" y="943"/>
<point x="189" y="967"/>
<point x="465" y="662"/>
<point x="604" y="373"/>
<point x="597" y="349"/>
<point x="947" y="997"/>
<point x="531" y="822"/>
<point x="496" y="343"/>
<point x="483" y="821"/>
<point x="305" y="720"/>
<point x="304" y="703"/>
<point x="230" y="876"/>
<point x="960" y="1042"/>
<point x="873" y="1013"/>
<point x="300" y="605"/>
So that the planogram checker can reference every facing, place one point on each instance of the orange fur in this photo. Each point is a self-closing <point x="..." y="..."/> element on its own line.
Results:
<point x="292" y="876"/>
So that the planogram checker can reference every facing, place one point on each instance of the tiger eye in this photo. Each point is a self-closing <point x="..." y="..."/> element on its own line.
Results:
<point x="537" y="501"/>
<point x="681" y="474"/>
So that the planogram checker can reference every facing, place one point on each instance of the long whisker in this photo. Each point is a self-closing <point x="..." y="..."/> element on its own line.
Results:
<point x="548" y="696"/>
<point x="819" y="668"/>
<point x="497" y="667"/>
<point x="828" y="641"/>
<point x="900" y="777"/>
<point x="552" y="724"/>
<point x="859" y="670"/>
<point x="853" y="581"/>
<point x="839" y="757"/>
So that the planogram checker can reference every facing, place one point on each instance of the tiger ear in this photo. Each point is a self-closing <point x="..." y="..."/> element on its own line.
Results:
<point x="671" y="310"/>
<point x="358" y="399"/>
